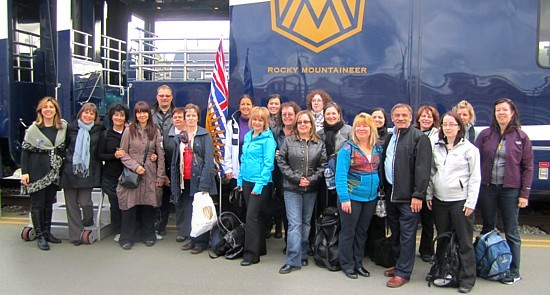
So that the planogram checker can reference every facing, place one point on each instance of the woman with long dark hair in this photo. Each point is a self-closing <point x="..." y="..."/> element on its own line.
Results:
<point x="506" y="176"/>
<point x="41" y="159"/>
<point x="140" y="140"/>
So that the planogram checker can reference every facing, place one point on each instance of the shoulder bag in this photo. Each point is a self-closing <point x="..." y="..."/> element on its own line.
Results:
<point x="129" y="178"/>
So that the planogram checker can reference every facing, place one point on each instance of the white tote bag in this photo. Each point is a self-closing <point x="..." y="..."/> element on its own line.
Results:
<point x="204" y="214"/>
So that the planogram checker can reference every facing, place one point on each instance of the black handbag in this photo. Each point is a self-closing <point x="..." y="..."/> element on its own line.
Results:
<point x="129" y="178"/>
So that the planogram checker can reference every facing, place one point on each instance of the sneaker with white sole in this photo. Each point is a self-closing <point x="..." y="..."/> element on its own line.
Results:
<point x="510" y="279"/>
<point x="117" y="238"/>
<point x="159" y="237"/>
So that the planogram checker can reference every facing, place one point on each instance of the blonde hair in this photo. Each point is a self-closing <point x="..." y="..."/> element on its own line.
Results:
<point x="464" y="104"/>
<point x="56" y="119"/>
<point x="365" y="119"/>
<point x="259" y="112"/>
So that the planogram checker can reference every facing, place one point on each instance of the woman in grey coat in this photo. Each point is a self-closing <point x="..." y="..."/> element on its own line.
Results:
<point x="148" y="195"/>
<point x="192" y="171"/>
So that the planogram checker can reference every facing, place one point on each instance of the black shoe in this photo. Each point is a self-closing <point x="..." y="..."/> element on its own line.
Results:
<point x="305" y="262"/>
<point x="363" y="272"/>
<point x="149" y="243"/>
<point x="187" y="246"/>
<point x="287" y="268"/>
<point x="247" y="263"/>
<point x="426" y="257"/>
<point x="181" y="239"/>
<point x="464" y="289"/>
<point x="43" y="244"/>
<point x="351" y="274"/>
<point x="87" y="223"/>
<point x="77" y="243"/>
<point x="127" y="246"/>
<point x="52" y="239"/>
<point x="510" y="279"/>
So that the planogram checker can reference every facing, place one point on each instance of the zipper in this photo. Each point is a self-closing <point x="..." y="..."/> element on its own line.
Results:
<point x="393" y="166"/>
<point x="307" y="160"/>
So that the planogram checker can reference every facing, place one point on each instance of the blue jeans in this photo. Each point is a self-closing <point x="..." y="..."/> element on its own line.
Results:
<point x="299" y="207"/>
<point x="492" y="197"/>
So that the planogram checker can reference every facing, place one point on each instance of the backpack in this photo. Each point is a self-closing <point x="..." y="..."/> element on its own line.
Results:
<point x="227" y="238"/>
<point x="446" y="265"/>
<point x="381" y="252"/>
<point x="493" y="256"/>
<point x="326" y="240"/>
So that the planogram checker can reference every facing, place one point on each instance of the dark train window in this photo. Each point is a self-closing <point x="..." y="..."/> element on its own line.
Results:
<point x="544" y="34"/>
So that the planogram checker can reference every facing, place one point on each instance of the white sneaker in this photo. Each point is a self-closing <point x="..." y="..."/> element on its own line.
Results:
<point x="117" y="238"/>
<point x="159" y="237"/>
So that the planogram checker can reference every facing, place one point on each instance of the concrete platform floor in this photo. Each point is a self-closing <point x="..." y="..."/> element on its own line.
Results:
<point x="104" y="268"/>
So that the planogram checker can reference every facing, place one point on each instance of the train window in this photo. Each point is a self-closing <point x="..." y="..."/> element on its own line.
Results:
<point x="544" y="34"/>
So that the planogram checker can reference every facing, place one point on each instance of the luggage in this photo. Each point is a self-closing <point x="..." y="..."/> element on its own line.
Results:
<point x="446" y="265"/>
<point x="227" y="238"/>
<point x="493" y="256"/>
<point x="326" y="240"/>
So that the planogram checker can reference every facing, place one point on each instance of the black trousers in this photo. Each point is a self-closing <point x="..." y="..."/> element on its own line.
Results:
<point x="427" y="236"/>
<point x="163" y="211"/>
<point x="449" y="216"/>
<point x="133" y="230"/>
<point x="44" y="198"/>
<point x="254" y="242"/>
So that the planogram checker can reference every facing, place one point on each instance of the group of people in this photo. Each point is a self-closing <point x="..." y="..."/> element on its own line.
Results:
<point x="435" y="170"/>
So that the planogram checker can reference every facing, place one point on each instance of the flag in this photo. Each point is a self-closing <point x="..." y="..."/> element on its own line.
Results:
<point x="301" y="76"/>
<point x="248" y="86"/>
<point x="217" y="107"/>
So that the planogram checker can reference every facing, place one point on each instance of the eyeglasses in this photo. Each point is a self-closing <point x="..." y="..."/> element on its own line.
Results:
<point x="445" y="125"/>
<point x="303" y="122"/>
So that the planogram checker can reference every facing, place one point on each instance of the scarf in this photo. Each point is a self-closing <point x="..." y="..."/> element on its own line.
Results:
<point x="319" y="119"/>
<point x="81" y="156"/>
<point x="330" y="136"/>
<point x="36" y="141"/>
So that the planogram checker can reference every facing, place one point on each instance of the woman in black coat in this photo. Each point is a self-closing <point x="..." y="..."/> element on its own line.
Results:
<point x="110" y="153"/>
<point x="81" y="170"/>
<point x="41" y="160"/>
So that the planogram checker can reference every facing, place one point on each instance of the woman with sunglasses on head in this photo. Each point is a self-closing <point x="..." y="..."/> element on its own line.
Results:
<point x="41" y="160"/>
<point x="301" y="159"/>
<point x="452" y="194"/>
<point x="506" y="176"/>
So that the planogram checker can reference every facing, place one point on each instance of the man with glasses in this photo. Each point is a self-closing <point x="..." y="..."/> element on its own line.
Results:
<point x="162" y="117"/>
<point x="405" y="173"/>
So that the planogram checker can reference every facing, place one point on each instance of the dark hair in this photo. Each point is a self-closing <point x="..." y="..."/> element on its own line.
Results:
<point x="116" y="108"/>
<point x="326" y="97"/>
<point x="89" y="106"/>
<point x="514" y="121"/>
<point x="195" y="107"/>
<point x="332" y="104"/>
<point x="151" y="129"/>
<point x="383" y="114"/>
<point x="460" y="134"/>
<point x="178" y="110"/>
<point x="287" y="104"/>
<point x="426" y="108"/>
<point x="246" y="96"/>
<point x="274" y="96"/>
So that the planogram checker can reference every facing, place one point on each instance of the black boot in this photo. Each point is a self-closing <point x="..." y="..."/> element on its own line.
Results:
<point x="37" y="217"/>
<point x="48" y="226"/>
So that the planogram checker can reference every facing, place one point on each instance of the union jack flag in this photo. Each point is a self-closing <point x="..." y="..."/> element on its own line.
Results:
<point x="217" y="107"/>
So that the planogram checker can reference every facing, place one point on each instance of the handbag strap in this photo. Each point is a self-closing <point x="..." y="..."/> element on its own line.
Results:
<point x="146" y="151"/>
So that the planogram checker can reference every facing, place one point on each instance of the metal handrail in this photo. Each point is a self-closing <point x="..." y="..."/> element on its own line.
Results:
<point x="24" y="46"/>
<point x="114" y="53"/>
<point x="81" y="49"/>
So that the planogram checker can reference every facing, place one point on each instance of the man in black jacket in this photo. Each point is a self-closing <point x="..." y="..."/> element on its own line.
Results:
<point x="407" y="159"/>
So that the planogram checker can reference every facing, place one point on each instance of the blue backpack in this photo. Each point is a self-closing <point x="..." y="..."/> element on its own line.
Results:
<point x="493" y="256"/>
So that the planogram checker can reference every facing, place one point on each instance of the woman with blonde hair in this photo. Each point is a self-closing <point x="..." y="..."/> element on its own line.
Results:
<point x="357" y="187"/>
<point x="257" y="162"/>
<point x="41" y="161"/>
<point x="466" y="112"/>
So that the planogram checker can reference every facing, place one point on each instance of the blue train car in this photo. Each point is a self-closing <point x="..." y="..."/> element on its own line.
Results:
<point x="377" y="53"/>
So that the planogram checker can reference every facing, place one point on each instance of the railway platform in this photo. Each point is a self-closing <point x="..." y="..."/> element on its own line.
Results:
<point x="104" y="268"/>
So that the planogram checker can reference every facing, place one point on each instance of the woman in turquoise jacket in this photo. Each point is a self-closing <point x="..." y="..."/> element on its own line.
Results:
<point x="357" y="186"/>
<point x="257" y="162"/>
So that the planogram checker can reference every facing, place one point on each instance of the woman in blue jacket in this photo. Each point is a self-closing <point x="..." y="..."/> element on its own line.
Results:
<point x="257" y="162"/>
<point x="357" y="185"/>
